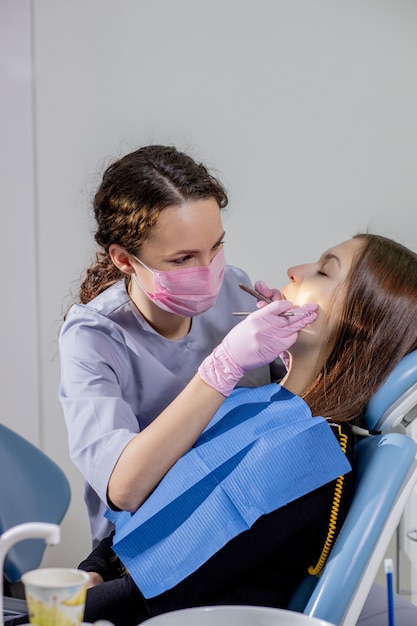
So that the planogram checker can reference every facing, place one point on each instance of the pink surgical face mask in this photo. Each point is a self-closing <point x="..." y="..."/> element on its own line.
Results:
<point x="189" y="291"/>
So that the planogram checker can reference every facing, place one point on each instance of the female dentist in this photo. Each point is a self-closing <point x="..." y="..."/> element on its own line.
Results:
<point x="156" y="301"/>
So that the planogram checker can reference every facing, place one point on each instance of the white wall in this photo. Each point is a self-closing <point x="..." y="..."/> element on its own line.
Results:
<point x="19" y="322"/>
<point x="306" y="108"/>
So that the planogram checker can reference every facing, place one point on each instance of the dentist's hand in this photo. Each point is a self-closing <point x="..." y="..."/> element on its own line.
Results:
<point x="263" y="288"/>
<point x="256" y="341"/>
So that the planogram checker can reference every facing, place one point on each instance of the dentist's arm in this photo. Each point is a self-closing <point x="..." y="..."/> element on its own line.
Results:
<point x="256" y="341"/>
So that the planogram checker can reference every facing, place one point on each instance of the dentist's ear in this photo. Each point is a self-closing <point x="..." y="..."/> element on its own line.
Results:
<point x="121" y="258"/>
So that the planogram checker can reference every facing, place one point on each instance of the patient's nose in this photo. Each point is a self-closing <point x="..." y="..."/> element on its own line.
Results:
<point x="295" y="273"/>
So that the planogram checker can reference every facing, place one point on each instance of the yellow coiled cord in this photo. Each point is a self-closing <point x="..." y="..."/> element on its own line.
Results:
<point x="316" y="569"/>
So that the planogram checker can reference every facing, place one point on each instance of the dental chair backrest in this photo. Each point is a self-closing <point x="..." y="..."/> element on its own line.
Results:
<point x="386" y="476"/>
<point x="394" y="405"/>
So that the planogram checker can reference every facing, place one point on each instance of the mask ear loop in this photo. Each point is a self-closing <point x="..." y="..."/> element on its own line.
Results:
<point x="136" y="277"/>
<point x="137" y="281"/>
<point x="143" y="264"/>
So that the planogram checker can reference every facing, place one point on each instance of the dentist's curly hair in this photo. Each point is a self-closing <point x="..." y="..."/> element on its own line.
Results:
<point x="133" y="192"/>
<point x="377" y="328"/>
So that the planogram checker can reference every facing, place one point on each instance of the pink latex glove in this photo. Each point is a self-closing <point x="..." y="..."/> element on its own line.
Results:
<point x="263" y="288"/>
<point x="254" y="342"/>
<point x="274" y="294"/>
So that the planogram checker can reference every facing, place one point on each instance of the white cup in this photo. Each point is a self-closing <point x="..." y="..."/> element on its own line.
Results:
<point x="55" y="596"/>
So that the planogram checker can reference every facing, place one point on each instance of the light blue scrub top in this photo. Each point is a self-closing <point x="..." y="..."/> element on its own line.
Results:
<point x="118" y="374"/>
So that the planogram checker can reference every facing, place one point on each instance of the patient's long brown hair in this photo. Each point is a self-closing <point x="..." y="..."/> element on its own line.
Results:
<point x="378" y="327"/>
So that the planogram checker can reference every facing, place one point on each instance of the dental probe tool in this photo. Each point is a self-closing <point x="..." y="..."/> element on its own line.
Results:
<point x="285" y="314"/>
<point x="255" y="293"/>
<point x="260" y="296"/>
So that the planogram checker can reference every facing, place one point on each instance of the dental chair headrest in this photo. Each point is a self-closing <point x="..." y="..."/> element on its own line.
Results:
<point x="395" y="402"/>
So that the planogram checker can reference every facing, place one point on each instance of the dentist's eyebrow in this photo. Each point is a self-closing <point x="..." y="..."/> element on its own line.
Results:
<point x="219" y="240"/>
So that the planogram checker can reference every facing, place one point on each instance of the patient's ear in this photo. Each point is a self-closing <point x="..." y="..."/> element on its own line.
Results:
<point x="121" y="258"/>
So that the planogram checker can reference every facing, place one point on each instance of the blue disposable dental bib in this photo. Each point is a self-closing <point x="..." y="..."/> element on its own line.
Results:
<point x="261" y="450"/>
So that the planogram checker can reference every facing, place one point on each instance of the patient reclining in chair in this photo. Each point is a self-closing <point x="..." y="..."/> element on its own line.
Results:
<point x="258" y="500"/>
